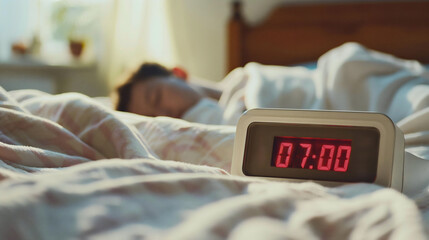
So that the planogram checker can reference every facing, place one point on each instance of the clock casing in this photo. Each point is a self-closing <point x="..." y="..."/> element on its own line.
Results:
<point x="377" y="146"/>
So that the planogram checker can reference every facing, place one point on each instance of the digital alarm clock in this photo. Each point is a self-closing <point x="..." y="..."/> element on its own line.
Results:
<point x="328" y="147"/>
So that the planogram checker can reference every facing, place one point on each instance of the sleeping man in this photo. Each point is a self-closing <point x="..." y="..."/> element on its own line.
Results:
<point x="153" y="90"/>
<point x="349" y="77"/>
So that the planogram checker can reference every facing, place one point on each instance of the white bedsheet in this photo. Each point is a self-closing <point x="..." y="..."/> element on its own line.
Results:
<point x="72" y="169"/>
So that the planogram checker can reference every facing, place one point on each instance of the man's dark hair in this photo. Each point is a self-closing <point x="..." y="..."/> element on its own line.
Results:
<point x="144" y="72"/>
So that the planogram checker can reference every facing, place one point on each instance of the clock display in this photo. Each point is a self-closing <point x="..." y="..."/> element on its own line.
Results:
<point x="323" y="154"/>
<point x="316" y="152"/>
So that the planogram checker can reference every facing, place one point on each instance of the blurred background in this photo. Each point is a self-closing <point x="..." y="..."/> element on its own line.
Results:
<point x="85" y="46"/>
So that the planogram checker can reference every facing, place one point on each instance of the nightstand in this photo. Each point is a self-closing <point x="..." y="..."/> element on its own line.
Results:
<point x="25" y="72"/>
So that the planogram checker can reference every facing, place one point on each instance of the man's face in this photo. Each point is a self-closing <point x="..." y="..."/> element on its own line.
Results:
<point x="162" y="96"/>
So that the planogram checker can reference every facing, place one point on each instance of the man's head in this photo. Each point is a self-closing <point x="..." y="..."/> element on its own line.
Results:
<point x="154" y="91"/>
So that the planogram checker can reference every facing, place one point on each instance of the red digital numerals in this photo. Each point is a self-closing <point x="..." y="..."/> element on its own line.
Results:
<point x="283" y="158"/>
<point x="328" y="152"/>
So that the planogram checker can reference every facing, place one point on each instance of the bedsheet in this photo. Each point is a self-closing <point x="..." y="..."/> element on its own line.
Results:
<point x="72" y="169"/>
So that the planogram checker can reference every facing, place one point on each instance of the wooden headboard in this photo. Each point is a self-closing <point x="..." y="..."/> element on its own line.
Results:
<point x="301" y="33"/>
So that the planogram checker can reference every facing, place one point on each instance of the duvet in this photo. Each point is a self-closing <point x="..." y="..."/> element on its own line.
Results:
<point x="71" y="168"/>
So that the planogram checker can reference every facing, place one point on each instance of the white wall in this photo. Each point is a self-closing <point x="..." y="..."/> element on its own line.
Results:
<point x="200" y="26"/>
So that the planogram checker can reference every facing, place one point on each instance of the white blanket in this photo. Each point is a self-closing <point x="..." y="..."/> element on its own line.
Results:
<point x="349" y="77"/>
<point x="72" y="169"/>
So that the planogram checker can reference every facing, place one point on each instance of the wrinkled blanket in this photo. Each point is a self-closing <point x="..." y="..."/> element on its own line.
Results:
<point x="141" y="195"/>
<point x="72" y="169"/>
<point x="350" y="77"/>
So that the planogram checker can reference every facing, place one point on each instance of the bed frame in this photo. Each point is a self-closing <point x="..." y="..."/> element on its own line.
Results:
<point x="300" y="33"/>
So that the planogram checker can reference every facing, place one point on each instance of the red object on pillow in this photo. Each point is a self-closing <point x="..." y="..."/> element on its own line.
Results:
<point x="180" y="73"/>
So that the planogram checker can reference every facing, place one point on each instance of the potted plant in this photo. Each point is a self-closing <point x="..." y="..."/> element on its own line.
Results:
<point x="75" y="23"/>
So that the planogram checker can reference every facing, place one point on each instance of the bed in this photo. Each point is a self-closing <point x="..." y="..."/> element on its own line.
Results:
<point x="71" y="168"/>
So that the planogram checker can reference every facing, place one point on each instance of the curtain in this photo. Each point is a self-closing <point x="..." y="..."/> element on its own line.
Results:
<point x="137" y="31"/>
